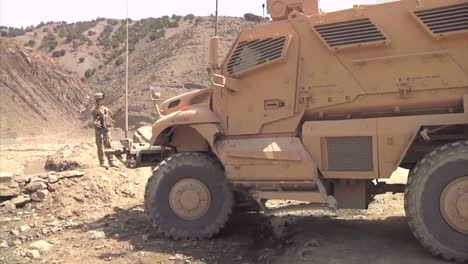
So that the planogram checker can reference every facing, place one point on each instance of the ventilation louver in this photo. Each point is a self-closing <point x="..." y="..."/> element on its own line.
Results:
<point x="249" y="54"/>
<point x="200" y="98"/>
<point x="349" y="153"/>
<point x="350" y="33"/>
<point x="443" y="20"/>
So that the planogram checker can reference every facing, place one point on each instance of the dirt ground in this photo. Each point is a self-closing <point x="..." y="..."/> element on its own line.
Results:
<point x="99" y="218"/>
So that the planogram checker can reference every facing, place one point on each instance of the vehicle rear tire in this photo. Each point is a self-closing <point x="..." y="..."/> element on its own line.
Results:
<point x="436" y="201"/>
<point x="188" y="197"/>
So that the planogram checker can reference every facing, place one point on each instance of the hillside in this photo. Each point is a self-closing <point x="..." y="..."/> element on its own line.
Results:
<point x="168" y="52"/>
<point x="38" y="96"/>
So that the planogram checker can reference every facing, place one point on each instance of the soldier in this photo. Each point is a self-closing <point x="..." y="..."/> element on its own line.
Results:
<point x="102" y="122"/>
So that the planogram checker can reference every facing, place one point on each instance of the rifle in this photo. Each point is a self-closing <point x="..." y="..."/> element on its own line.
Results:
<point x="103" y="131"/>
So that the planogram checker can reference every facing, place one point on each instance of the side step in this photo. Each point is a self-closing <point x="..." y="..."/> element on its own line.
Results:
<point x="315" y="199"/>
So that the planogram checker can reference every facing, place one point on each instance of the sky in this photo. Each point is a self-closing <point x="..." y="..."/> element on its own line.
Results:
<point x="18" y="13"/>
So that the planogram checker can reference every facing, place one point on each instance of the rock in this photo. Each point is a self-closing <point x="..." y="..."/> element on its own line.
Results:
<point x="41" y="245"/>
<point x="21" y="200"/>
<point x="7" y="191"/>
<point x="145" y="237"/>
<point x="70" y="174"/>
<point x="4" y="244"/>
<point x="312" y="243"/>
<point x="9" y="206"/>
<point x="17" y="242"/>
<point x="22" y="179"/>
<point x="32" y="253"/>
<point x="24" y="228"/>
<point x="37" y="179"/>
<point x="6" y="177"/>
<point x="15" y="232"/>
<point x="93" y="234"/>
<point x="39" y="196"/>
<point x="308" y="248"/>
<point x="177" y="257"/>
<point x="53" y="178"/>
<point x="28" y="206"/>
<point x="34" y="186"/>
<point x="43" y="176"/>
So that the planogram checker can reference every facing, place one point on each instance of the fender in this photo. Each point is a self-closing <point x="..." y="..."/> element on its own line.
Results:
<point x="200" y="118"/>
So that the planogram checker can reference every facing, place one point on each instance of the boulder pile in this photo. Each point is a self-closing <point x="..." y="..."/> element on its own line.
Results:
<point x="19" y="191"/>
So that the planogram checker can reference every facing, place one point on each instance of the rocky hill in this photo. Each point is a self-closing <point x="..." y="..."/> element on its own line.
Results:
<point x="168" y="52"/>
<point x="38" y="95"/>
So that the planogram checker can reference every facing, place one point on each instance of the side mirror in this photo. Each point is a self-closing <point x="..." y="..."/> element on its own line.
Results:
<point x="154" y="94"/>
<point x="213" y="53"/>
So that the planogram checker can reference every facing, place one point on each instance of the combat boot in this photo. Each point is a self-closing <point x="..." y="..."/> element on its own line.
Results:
<point x="113" y="164"/>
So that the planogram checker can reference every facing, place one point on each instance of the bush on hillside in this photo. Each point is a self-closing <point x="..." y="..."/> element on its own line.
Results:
<point x="189" y="17"/>
<point x="119" y="61"/>
<point x="59" y="53"/>
<point x="199" y="20"/>
<point x="90" y="72"/>
<point x="81" y="60"/>
<point x="176" y="18"/>
<point x="252" y="17"/>
<point x="31" y="43"/>
<point x="49" y="42"/>
<point x="157" y="35"/>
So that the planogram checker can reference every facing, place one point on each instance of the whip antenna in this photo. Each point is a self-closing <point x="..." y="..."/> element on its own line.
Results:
<point x="126" y="81"/>
<point x="216" y="19"/>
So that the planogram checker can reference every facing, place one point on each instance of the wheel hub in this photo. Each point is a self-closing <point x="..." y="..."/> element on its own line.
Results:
<point x="189" y="198"/>
<point x="454" y="204"/>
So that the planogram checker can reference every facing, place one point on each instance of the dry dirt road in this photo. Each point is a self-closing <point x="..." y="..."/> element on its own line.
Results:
<point x="99" y="218"/>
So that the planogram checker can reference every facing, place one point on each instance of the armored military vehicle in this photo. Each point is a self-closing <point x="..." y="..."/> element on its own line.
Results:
<point x="320" y="108"/>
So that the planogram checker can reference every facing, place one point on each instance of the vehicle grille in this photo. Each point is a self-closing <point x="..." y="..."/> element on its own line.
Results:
<point x="350" y="32"/>
<point x="249" y="54"/>
<point x="445" y="19"/>
<point x="349" y="153"/>
<point x="200" y="98"/>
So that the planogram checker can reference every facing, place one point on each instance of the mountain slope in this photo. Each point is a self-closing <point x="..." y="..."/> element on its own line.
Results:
<point x="167" y="52"/>
<point x="37" y="95"/>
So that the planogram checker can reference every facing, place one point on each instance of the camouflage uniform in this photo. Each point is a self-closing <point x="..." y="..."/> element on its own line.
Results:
<point x="103" y="112"/>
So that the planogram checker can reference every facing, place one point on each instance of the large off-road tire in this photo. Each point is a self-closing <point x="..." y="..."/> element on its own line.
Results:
<point x="188" y="196"/>
<point x="436" y="201"/>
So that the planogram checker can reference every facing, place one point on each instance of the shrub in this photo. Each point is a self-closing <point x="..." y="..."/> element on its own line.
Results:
<point x="189" y="17"/>
<point x="176" y="18"/>
<point x="91" y="33"/>
<point x="119" y="61"/>
<point x="49" y="42"/>
<point x="81" y="60"/>
<point x="199" y="20"/>
<point x="58" y="53"/>
<point x="90" y="72"/>
<point x="252" y="17"/>
<point x="31" y="43"/>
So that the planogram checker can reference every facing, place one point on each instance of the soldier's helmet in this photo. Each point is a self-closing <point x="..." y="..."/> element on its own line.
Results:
<point x="99" y="96"/>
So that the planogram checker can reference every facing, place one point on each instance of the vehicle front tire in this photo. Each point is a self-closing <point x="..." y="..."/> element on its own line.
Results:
<point x="436" y="201"/>
<point x="188" y="196"/>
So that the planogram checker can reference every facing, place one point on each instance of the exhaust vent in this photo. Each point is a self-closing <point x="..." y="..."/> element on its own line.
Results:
<point x="250" y="54"/>
<point x="200" y="98"/>
<point x="443" y="20"/>
<point x="350" y="33"/>
<point x="348" y="153"/>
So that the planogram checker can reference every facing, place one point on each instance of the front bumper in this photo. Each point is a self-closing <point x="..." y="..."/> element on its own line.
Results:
<point x="137" y="155"/>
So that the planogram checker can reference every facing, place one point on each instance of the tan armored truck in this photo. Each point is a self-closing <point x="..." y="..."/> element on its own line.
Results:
<point x="319" y="108"/>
